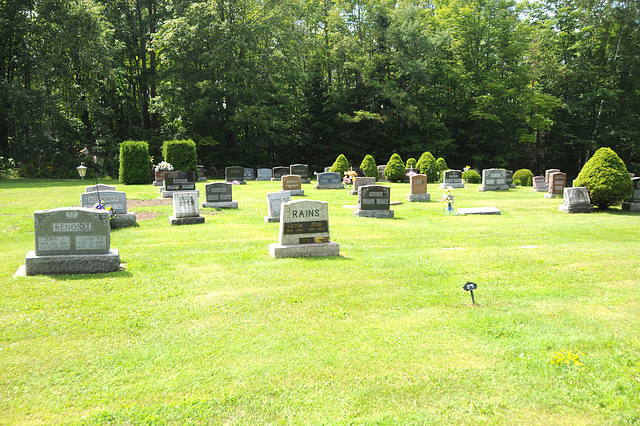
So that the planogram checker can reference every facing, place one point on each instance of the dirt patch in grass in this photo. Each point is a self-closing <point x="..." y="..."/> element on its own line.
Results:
<point x="149" y="203"/>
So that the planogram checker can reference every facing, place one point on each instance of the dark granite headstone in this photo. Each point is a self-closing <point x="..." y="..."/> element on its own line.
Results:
<point x="179" y="180"/>
<point x="232" y="173"/>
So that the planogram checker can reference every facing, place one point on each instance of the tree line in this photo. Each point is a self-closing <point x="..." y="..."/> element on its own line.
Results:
<point x="485" y="83"/>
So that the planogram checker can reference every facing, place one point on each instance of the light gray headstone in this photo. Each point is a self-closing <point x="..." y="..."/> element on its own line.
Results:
<point x="304" y="222"/>
<point x="99" y="187"/>
<point x="264" y="174"/>
<point x="576" y="200"/>
<point x="329" y="180"/>
<point x="494" y="180"/>
<point x="116" y="199"/>
<point x="249" y="174"/>
<point x="274" y="203"/>
<point x="185" y="204"/>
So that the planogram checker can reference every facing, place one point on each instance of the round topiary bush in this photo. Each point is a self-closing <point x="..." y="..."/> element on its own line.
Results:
<point x="471" y="176"/>
<point x="411" y="163"/>
<point x="606" y="178"/>
<point x="525" y="176"/>
<point x="369" y="166"/>
<point x="341" y="165"/>
<point x="395" y="171"/>
<point x="428" y="165"/>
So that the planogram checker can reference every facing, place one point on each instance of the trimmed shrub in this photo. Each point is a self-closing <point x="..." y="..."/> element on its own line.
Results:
<point x="428" y="165"/>
<point x="525" y="176"/>
<point x="411" y="163"/>
<point x="606" y="178"/>
<point x="369" y="166"/>
<point x="442" y="166"/>
<point x="134" y="162"/>
<point x="341" y="165"/>
<point x="181" y="154"/>
<point x="472" y="176"/>
<point x="395" y="171"/>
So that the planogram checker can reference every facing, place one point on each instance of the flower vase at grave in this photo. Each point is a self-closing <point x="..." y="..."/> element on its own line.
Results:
<point x="450" y="208"/>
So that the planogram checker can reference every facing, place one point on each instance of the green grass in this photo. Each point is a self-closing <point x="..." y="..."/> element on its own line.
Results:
<point x="204" y="327"/>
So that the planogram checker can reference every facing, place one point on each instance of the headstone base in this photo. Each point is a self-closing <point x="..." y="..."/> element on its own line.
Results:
<point x="493" y="188"/>
<point x="478" y="210"/>
<point x="221" y="205"/>
<point x="72" y="264"/>
<point x="451" y="185"/>
<point x="202" y="179"/>
<point x="271" y="219"/>
<point x="186" y="220"/>
<point x="169" y="194"/>
<point x="542" y="189"/>
<point x="158" y="182"/>
<point x="263" y="179"/>
<point x="330" y="186"/>
<point x="305" y="180"/>
<point x="552" y="195"/>
<point x="123" y="220"/>
<point x="418" y="197"/>
<point x="277" y="250"/>
<point x="631" y="207"/>
<point x="295" y="192"/>
<point x="576" y="208"/>
<point x="239" y="182"/>
<point x="373" y="213"/>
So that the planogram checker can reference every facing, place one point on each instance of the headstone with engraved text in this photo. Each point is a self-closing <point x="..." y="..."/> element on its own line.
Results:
<point x="452" y="179"/>
<point x="292" y="184"/>
<point x="494" y="180"/>
<point x="264" y="174"/>
<point x="274" y="202"/>
<point x="633" y="203"/>
<point x="557" y="182"/>
<point x="234" y="174"/>
<point x="374" y="201"/>
<point x="418" y="188"/>
<point x="361" y="181"/>
<point x="186" y="210"/>
<point x="329" y="180"/>
<point x="219" y="195"/>
<point x="576" y="200"/>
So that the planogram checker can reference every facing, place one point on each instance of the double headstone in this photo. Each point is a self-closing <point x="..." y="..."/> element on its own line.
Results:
<point x="108" y="196"/>
<point x="547" y="173"/>
<point x="329" y="180"/>
<point x="381" y="177"/>
<point x="539" y="184"/>
<point x="178" y="180"/>
<point x="274" y="203"/>
<point x="72" y="240"/>
<point x="576" y="200"/>
<point x="234" y="174"/>
<point x="494" y="180"/>
<point x="301" y="170"/>
<point x="374" y="201"/>
<point x="249" y="174"/>
<point x="278" y="172"/>
<point x="361" y="181"/>
<point x="633" y="203"/>
<point x="418" y="188"/>
<point x="264" y="174"/>
<point x="292" y="184"/>
<point x="557" y="182"/>
<point x="452" y="179"/>
<point x="304" y="231"/>
<point x="219" y="195"/>
<point x="186" y="209"/>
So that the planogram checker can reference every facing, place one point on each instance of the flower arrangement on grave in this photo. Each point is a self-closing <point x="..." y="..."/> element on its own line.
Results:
<point x="348" y="177"/>
<point x="163" y="166"/>
<point x="411" y="173"/>
<point x="235" y="182"/>
<point x="447" y="198"/>
<point x="102" y="206"/>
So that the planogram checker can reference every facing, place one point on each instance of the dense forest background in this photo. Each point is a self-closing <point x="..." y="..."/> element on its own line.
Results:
<point x="485" y="83"/>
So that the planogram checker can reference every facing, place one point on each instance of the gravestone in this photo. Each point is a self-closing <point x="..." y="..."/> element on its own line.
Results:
<point x="633" y="204"/>
<point x="118" y="202"/>
<point x="219" y="195"/>
<point x="264" y="174"/>
<point x="478" y="210"/>
<point x="557" y="182"/>
<point x="418" y="188"/>
<point x="234" y="173"/>
<point x="452" y="179"/>
<point x="547" y="173"/>
<point x="381" y="177"/>
<point x="374" y="201"/>
<point x="249" y="174"/>
<point x="99" y="188"/>
<point x="301" y="170"/>
<point x="178" y="180"/>
<point x="576" y="200"/>
<point x="329" y="180"/>
<point x="202" y="177"/>
<point x="186" y="210"/>
<point x="494" y="180"/>
<point x="72" y="240"/>
<point x="328" y="169"/>
<point x="304" y="231"/>
<point x="292" y="184"/>
<point x="361" y="181"/>
<point x="509" y="178"/>
<point x="278" y="172"/>
<point x="274" y="202"/>
<point x="539" y="184"/>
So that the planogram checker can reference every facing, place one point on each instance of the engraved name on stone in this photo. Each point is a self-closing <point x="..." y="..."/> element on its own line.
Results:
<point x="91" y="242"/>
<point x="54" y="243"/>
<point x="71" y="227"/>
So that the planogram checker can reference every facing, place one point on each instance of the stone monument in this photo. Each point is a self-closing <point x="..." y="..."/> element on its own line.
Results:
<point x="72" y="240"/>
<point x="292" y="184"/>
<point x="329" y="180"/>
<point x="278" y="172"/>
<point x="99" y="188"/>
<point x="118" y="202"/>
<point x="539" y="184"/>
<point x="264" y="174"/>
<point x="418" y="188"/>
<point x="557" y="182"/>
<point x="234" y="173"/>
<point x="304" y="231"/>
<point x="633" y="204"/>
<point x="186" y="210"/>
<point x="547" y="173"/>
<point x="249" y="174"/>
<point x="274" y="202"/>
<point x="178" y="180"/>
<point x="219" y="195"/>
<point x="494" y="180"/>
<point x="576" y="200"/>
<point x="301" y="170"/>
<point x="202" y="177"/>
<point x="452" y="179"/>
<point x="381" y="177"/>
<point x="374" y="201"/>
<point x="361" y="181"/>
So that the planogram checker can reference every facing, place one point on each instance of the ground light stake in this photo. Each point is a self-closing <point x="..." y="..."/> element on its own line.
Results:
<point x="469" y="286"/>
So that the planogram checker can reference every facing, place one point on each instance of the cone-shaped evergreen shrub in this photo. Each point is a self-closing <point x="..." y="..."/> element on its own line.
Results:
<point x="525" y="176"/>
<point x="442" y="166"/>
<point x="181" y="154"/>
<point x="411" y="163"/>
<point x="369" y="166"/>
<point x="395" y="171"/>
<point x="134" y="162"/>
<point x="427" y="165"/>
<point x="341" y="165"/>
<point x="606" y="177"/>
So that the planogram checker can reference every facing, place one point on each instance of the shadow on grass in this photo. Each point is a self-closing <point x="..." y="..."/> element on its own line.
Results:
<point x="47" y="183"/>
<point x="324" y="258"/>
<point x="73" y="277"/>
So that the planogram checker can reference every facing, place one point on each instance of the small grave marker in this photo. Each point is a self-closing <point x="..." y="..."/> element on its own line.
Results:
<point x="469" y="286"/>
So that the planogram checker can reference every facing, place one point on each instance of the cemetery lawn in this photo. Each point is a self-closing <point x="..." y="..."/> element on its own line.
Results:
<point x="203" y="326"/>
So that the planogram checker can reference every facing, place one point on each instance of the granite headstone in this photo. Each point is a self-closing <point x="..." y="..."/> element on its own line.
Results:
<point x="219" y="195"/>
<point x="418" y="188"/>
<point x="274" y="202"/>
<point x="374" y="201"/>
<point x="329" y="180"/>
